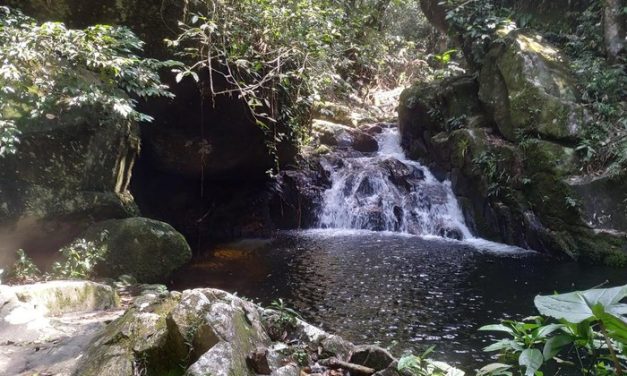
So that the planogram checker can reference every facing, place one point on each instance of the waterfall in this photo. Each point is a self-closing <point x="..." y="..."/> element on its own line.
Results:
<point x="385" y="191"/>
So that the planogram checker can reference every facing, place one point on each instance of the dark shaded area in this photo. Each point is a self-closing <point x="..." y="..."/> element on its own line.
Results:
<point x="203" y="160"/>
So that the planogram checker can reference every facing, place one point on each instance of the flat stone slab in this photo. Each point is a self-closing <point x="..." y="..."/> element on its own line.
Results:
<point x="45" y="327"/>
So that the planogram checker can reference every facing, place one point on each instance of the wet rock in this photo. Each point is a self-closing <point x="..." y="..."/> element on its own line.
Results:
<point x="149" y="250"/>
<point x="374" y="130"/>
<point x="372" y="356"/>
<point x="402" y="175"/>
<point x="451" y="233"/>
<point x="364" y="143"/>
<point x="365" y="187"/>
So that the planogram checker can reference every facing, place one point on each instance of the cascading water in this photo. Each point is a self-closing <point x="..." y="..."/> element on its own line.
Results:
<point x="385" y="191"/>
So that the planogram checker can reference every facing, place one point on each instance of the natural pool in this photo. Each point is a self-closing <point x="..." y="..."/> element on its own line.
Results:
<point x="405" y="292"/>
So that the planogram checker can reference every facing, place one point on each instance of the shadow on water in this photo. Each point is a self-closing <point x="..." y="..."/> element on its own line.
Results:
<point x="403" y="291"/>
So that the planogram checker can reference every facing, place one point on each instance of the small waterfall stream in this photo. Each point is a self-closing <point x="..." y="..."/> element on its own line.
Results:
<point x="385" y="191"/>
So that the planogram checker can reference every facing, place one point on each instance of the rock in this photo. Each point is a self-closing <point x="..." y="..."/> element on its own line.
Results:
<point x="333" y="112"/>
<point x="392" y="370"/>
<point x="45" y="327"/>
<point x="59" y="297"/>
<point x="374" y="130"/>
<point x="258" y="361"/>
<point x="516" y="187"/>
<point x="371" y="356"/>
<point x="149" y="250"/>
<point x="337" y="347"/>
<point x="526" y="86"/>
<point x="365" y="143"/>
<point x="603" y="201"/>
<point x="342" y="136"/>
<point x="67" y="173"/>
<point x="197" y="332"/>
<point x="288" y="370"/>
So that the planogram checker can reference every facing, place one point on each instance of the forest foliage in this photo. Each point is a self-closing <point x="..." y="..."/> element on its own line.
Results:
<point x="48" y="69"/>
<point x="280" y="57"/>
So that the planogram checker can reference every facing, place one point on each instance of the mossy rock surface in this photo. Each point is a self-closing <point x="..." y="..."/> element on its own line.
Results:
<point x="526" y="86"/>
<point x="60" y="297"/>
<point x="513" y="176"/>
<point x="196" y="332"/>
<point x="147" y="249"/>
<point x="69" y="171"/>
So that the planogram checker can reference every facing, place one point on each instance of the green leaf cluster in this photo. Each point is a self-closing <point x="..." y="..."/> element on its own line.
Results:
<point x="47" y="70"/>
<point x="583" y="330"/>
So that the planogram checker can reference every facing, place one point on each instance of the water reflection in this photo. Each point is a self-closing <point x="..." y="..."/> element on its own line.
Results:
<point x="403" y="291"/>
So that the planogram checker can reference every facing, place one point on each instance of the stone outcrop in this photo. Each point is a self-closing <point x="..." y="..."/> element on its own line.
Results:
<point x="526" y="87"/>
<point x="44" y="327"/>
<point x="147" y="249"/>
<point x="507" y="143"/>
<point x="207" y="331"/>
<point x="68" y="172"/>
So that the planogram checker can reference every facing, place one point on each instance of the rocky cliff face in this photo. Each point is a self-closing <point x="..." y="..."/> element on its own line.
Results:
<point x="68" y="172"/>
<point x="203" y="159"/>
<point x="506" y="140"/>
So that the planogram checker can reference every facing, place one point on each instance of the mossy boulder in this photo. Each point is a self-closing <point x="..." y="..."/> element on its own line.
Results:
<point x="196" y="332"/>
<point x="68" y="172"/>
<point x="147" y="249"/>
<point x="603" y="200"/>
<point x="527" y="87"/>
<point x="24" y="304"/>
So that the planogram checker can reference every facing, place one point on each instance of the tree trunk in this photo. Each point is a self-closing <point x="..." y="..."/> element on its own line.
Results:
<point x="614" y="29"/>
<point x="435" y="13"/>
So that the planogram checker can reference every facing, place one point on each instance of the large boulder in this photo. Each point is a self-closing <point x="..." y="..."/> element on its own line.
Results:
<point x="197" y="332"/>
<point x="603" y="200"/>
<point x="527" y="87"/>
<point x="147" y="249"/>
<point x="69" y="171"/>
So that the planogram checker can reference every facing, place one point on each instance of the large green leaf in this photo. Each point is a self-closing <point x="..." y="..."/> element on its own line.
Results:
<point x="532" y="360"/>
<point x="615" y="326"/>
<point x="555" y="344"/>
<point x="578" y="306"/>
<point x="495" y="369"/>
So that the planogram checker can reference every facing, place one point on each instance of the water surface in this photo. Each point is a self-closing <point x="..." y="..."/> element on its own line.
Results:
<point x="402" y="291"/>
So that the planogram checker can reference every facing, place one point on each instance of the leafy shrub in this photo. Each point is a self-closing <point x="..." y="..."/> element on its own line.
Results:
<point x="78" y="260"/>
<point x="279" y="56"/>
<point x="585" y="331"/>
<point x="24" y="269"/>
<point x="422" y="366"/>
<point x="48" y="69"/>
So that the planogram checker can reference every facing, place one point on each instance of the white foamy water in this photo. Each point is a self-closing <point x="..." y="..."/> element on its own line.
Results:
<point x="386" y="191"/>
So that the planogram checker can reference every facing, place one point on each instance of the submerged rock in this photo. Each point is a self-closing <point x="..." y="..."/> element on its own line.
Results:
<point x="147" y="249"/>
